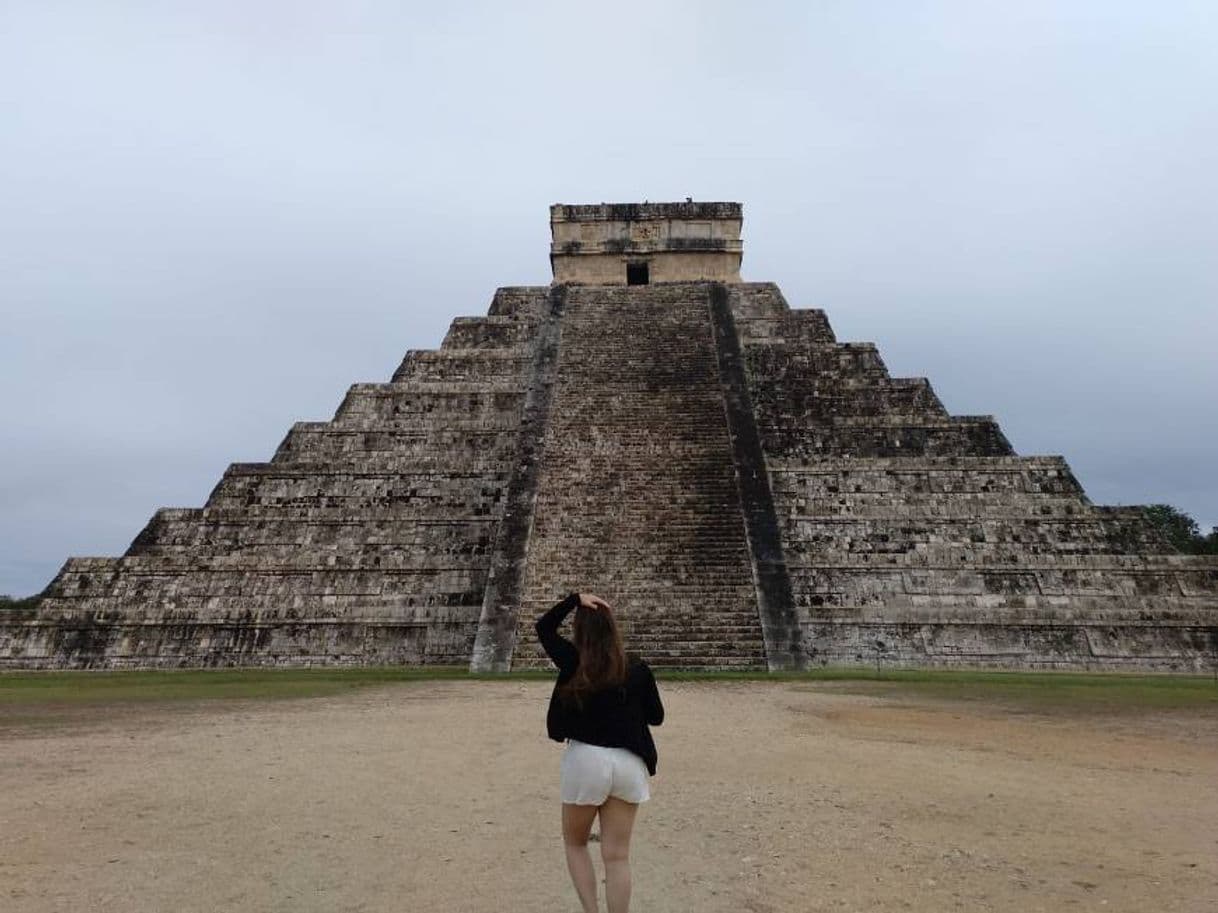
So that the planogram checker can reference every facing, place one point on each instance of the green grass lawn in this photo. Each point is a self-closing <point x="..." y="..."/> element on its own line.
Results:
<point x="1048" y="692"/>
<point x="203" y="684"/>
<point x="1025" y="690"/>
<point x="1035" y="690"/>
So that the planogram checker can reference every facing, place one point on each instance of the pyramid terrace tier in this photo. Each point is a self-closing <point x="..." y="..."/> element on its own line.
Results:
<point x="476" y="446"/>
<point x="638" y="497"/>
<point x="920" y="537"/>
<point x="368" y="538"/>
<point x="746" y="489"/>
<point x="438" y="405"/>
<point x="1001" y="642"/>
<point x="990" y="539"/>
<point x="356" y="489"/>
<point x="1137" y="583"/>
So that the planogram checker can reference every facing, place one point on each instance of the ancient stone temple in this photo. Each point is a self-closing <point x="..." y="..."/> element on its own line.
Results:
<point x="749" y="491"/>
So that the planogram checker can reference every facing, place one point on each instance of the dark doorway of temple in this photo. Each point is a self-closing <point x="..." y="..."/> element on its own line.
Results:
<point x="637" y="274"/>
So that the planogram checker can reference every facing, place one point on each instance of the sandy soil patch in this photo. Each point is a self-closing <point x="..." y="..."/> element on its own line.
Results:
<point x="771" y="796"/>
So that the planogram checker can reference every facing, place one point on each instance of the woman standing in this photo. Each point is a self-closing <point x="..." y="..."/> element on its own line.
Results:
<point x="601" y="706"/>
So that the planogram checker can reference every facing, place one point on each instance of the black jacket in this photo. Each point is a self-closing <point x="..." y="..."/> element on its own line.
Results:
<point x="615" y="717"/>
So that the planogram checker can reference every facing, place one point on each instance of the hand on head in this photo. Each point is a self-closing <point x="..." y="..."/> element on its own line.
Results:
<point x="589" y="601"/>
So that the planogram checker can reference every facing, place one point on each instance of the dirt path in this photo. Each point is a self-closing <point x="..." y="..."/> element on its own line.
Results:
<point x="771" y="797"/>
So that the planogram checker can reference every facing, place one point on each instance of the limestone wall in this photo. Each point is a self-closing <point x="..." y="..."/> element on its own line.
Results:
<point x="365" y="539"/>
<point x="919" y="537"/>
<point x="748" y="490"/>
<point x="678" y="242"/>
<point x="609" y="268"/>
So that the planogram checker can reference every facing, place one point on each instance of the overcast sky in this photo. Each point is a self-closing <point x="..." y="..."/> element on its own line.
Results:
<point x="216" y="216"/>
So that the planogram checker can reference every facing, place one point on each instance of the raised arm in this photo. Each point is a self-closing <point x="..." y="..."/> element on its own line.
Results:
<point x="557" y="647"/>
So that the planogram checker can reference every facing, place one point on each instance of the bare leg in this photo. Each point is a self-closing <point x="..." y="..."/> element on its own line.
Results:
<point x="576" y="824"/>
<point x="617" y="822"/>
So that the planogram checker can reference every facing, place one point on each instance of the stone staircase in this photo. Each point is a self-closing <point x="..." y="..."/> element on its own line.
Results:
<point x="638" y="499"/>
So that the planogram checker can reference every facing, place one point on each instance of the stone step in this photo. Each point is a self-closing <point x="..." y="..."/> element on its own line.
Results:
<point x="407" y="401"/>
<point x="491" y="332"/>
<point x="1156" y="602"/>
<point x="385" y="463"/>
<point x="680" y="645"/>
<point x="692" y="664"/>
<point x="947" y="511"/>
<point x="463" y="365"/>
<point x="455" y="545"/>
<point x="774" y="324"/>
<point x="999" y="609"/>
<point x="520" y="302"/>
<point x="418" y="508"/>
<point x="812" y="442"/>
<point x="996" y="552"/>
<point x="867" y="467"/>
<point x="316" y="442"/>
<point x="639" y="441"/>
<point x="387" y="563"/>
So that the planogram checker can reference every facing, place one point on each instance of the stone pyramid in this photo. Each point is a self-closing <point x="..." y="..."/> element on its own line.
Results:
<point x="749" y="492"/>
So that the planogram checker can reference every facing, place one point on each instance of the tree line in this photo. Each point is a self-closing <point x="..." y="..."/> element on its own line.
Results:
<point x="1182" y="531"/>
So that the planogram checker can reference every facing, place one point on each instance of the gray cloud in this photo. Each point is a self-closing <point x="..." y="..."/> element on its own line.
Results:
<point x="214" y="217"/>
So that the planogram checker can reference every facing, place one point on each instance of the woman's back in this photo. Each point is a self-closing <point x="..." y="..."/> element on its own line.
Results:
<point x="615" y="716"/>
<point x="601" y="706"/>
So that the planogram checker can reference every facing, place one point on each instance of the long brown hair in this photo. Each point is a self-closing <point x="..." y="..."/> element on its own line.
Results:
<point x="602" y="657"/>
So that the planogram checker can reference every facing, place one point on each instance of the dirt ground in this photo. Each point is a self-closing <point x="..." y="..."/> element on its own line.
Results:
<point x="771" y="796"/>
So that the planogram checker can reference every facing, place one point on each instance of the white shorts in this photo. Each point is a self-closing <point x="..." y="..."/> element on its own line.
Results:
<point x="593" y="773"/>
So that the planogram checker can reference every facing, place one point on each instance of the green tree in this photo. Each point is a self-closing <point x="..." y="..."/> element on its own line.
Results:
<point x="19" y="602"/>
<point x="1181" y="530"/>
<point x="1209" y="544"/>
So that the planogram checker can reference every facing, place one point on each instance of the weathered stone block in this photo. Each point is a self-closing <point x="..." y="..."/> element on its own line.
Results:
<point x="748" y="490"/>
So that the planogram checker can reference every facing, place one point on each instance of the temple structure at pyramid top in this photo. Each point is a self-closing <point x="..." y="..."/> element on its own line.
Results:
<point x="746" y="489"/>
<point x="642" y="243"/>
